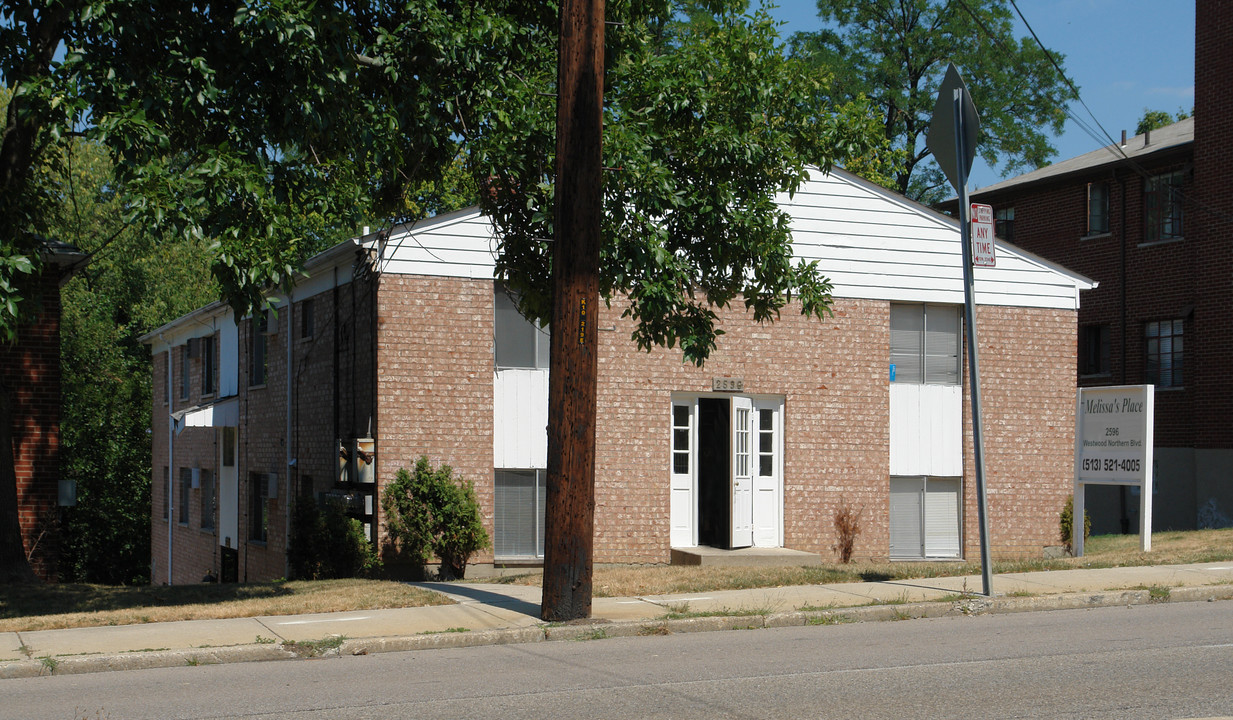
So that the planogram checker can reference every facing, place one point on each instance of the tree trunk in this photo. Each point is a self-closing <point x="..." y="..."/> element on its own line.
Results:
<point x="14" y="566"/>
<point x="570" y="510"/>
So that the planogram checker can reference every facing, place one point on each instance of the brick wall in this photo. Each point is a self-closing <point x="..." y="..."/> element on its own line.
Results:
<point x="31" y="369"/>
<point x="435" y="383"/>
<point x="331" y="394"/>
<point x="1027" y="367"/>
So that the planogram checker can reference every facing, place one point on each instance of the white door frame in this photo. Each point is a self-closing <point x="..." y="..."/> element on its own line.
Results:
<point x="765" y="493"/>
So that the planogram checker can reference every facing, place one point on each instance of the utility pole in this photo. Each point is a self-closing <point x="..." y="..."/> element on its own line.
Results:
<point x="570" y="511"/>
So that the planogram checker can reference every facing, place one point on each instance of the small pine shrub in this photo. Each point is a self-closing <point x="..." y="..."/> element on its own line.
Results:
<point x="847" y="527"/>
<point x="1066" y="526"/>
<point x="430" y="513"/>
<point x="327" y="543"/>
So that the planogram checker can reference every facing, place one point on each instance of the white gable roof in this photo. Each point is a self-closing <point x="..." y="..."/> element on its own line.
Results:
<point x="872" y="243"/>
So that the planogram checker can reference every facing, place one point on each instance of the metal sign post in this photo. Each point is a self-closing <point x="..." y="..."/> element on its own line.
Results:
<point x="954" y="110"/>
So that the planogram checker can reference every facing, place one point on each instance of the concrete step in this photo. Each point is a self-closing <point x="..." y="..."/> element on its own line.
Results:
<point x="747" y="557"/>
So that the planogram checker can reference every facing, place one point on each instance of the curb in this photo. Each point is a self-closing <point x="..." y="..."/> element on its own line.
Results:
<point x="599" y="629"/>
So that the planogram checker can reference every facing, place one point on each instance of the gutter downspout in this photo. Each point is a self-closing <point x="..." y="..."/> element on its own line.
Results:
<point x="1125" y="520"/>
<point x="290" y="330"/>
<point x="171" y="443"/>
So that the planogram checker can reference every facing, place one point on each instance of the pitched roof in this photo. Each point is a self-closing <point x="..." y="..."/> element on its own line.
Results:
<point x="1170" y="137"/>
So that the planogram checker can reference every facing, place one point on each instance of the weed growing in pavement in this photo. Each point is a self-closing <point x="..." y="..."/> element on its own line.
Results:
<point x="830" y="619"/>
<point x="49" y="663"/>
<point x="315" y="648"/>
<point x="261" y="640"/>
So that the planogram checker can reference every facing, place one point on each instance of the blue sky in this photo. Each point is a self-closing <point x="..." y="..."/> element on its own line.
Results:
<point x="1124" y="55"/>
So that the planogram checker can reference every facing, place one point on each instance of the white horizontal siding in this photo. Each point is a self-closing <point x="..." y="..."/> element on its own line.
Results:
<point x="520" y="419"/>
<point x="875" y="245"/>
<point x="460" y="244"/>
<point x="870" y="242"/>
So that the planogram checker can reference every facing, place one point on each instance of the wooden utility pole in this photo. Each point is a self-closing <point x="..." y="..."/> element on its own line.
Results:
<point x="569" y="514"/>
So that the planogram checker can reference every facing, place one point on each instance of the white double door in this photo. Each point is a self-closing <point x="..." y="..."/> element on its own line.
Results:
<point x="726" y="472"/>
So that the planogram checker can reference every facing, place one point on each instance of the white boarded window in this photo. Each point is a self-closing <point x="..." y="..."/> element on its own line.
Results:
<point x="520" y="343"/>
<point x="924" y="518"/>
<point x="924" y="344"/>
<point x="518" y="523"/>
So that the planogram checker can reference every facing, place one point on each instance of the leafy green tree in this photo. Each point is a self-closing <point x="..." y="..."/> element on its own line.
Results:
<point x="895" y="52"/>
<point x="1153" y="119"/>
<point x="131" y="285"/>
<point x="705" y="124"/>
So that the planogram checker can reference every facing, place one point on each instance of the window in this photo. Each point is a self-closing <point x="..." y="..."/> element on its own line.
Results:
<point x="184" y="372"/>
<point x="1097" y="208"/>
<point x="207" y="365"/>
<point x="307" y="321"/>
<point x="207" y="499"/>
<point x="258" y="343"/>
<point x="924" y="518"/>
<point x="766" y="443"/>
<point x="1162" y="199"/>
<point x="520" y="343"/>
<point x="165" y="379"/>
<point x="186" y="484"/>
<point x="229" y="447"/>
<point x="259" y="506"/>
<point x="166" y="499"/>
<point x="1164" y="353"/>
<point x="925" y="344"/>
<point x="1094" y="350"/>
<point x="1004" y="223"/>
<point x="518" y="521"/>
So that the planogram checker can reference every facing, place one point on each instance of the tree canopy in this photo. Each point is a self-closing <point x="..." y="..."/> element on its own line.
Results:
<point x="1153" y="119"/>
<point x="265" y="132"/>
<point x="895" y="52"/>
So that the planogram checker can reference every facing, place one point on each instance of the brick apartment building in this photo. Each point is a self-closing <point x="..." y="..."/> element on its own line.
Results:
<point x="402" y="345"/>
<point x="1149" y="220"/>
<point x="31" y="379"/>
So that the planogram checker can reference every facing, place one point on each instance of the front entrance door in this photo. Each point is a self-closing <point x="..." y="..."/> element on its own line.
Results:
<point x="725" y="479"/>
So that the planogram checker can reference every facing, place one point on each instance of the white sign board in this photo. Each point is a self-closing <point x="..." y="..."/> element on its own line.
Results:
<point x="1113" y="446"/>
<point x="982" y="235"/>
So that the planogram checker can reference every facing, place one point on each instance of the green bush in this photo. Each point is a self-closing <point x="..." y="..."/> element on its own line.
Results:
<point x="327" y="543"/>
<point x="1067" y="524"/>
<point x="430" y="513"/>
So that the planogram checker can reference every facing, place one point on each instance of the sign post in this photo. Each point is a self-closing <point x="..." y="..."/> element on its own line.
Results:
<point x="952" y="138"/>
<point x="1114" y="434"/>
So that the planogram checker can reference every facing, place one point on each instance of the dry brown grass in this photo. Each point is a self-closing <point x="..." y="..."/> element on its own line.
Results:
<point x="1168" y="548"/>
<point x="51" y="606"/>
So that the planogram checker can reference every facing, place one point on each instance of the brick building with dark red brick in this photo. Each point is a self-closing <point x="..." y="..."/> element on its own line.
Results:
<point x="31" y="380"/>
<point x="1149" y="219"/>
<point x="400" y="344"/>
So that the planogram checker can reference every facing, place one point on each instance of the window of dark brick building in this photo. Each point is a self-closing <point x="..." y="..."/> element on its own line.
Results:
<point x="1097" y="208"/>
<point x="258" y="342"/>
<point x="207" y="499"/>
<point x="1162" y="204"/>
<point x="184" y="384"/>
<point x="186" y="484"/>
<point x="1004" y="223"/>
<point x="1165" y="353"/>
<point x="1094" y="350"/>
<point x="207" y="365"/>
<point x="258" y="507"/>
<point x="166" y="491"/>
<point x="307" y="321"/>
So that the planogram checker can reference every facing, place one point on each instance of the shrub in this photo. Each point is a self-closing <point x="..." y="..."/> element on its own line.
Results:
<point x="1067" y="524"/>
<point x="327" y="543"/>
<point x="430" y="513"/>
<point x="847" y="526"/>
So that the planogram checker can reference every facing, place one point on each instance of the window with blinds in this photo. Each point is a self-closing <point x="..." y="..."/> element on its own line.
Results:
<point x="924" y="518"/>
<point x="924" y="344"/>
<point x="520" y="343"/>
<point x="518" y="523"/>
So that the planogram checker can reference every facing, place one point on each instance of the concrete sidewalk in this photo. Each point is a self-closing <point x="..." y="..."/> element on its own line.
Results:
<point x="486" y="614"/>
